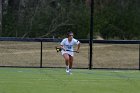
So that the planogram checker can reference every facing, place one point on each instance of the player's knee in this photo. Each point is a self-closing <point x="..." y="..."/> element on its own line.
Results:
<point x="66" y="59"/>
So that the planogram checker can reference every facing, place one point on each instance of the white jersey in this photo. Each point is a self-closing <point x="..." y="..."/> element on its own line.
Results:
<point x="69" y="45"/>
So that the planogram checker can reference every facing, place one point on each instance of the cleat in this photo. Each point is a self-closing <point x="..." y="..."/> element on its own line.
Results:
<point x="67" y="69"/>
<point x="70" y="72"/>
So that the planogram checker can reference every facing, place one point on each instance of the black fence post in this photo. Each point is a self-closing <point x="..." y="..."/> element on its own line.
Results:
<point x="139" y="56"/>
<point x="91" y="32"/>
<point x="41" y="55"/>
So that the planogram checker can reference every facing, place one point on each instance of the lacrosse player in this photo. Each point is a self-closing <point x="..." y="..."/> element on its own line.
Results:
<point x="67" y="50"/>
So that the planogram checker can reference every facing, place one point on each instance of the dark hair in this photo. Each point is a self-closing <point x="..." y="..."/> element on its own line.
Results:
<point x="68" y="33"/>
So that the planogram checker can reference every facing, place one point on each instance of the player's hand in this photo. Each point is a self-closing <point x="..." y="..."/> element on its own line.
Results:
<point x="62" y="48"/>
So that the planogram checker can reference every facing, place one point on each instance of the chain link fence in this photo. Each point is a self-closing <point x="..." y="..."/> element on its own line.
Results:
<point x="43" y="54"/>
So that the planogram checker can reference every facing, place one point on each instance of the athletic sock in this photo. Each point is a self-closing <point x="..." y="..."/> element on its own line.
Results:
<point x="67" y="69"/>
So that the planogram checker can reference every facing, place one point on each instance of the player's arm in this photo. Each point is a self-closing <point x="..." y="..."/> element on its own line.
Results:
<point x="62" y="45"/>
<point x="78" y="47"/>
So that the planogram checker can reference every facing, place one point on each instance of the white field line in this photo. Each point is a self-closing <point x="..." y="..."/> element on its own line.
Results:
<point x="81" y="80"/>
<point x="13" y="81"/>
<point x="64" y="80"/>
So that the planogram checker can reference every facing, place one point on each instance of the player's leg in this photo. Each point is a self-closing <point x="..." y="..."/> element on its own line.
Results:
<point x="70" y="63"/>
<point x="66" y="57"/>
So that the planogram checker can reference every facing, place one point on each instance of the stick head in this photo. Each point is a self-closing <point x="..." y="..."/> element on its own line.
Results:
<point x="58" y="49"/>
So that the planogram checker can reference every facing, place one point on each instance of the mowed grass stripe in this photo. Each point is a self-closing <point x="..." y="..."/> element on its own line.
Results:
<point x="55" y="80"/>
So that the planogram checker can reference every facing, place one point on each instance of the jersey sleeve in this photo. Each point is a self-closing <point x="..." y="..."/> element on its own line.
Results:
<point x="62" y="42"/>
<point x="76" y="41"/>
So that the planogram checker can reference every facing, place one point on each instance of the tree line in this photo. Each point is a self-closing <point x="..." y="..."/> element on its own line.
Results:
<point x="113" y="19"/>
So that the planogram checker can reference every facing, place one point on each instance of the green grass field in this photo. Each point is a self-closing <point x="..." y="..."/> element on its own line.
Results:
<point x="55" y="80"/>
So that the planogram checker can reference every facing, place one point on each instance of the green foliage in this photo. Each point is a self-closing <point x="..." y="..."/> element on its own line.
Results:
<point x="113" y="19"/>
<point x="118" y="21"/>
